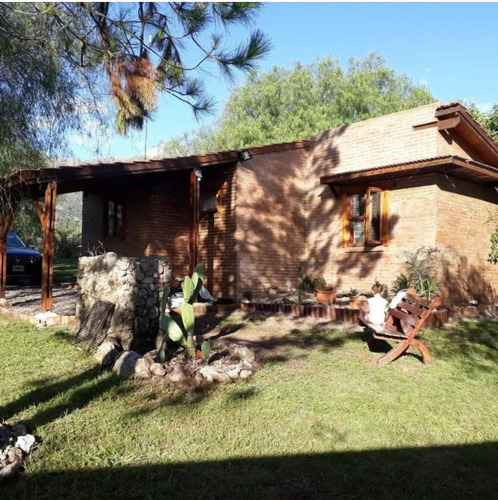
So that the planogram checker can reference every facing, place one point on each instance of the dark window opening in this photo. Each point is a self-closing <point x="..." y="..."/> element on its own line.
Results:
<point x="114" y="224"/>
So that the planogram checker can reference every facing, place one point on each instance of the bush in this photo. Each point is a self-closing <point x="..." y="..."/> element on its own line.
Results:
<point x="420" y="272"/>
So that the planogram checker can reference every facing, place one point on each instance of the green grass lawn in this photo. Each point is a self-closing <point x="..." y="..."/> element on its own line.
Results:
<point x="320" y="420"/>
<point x="65" y="269"/>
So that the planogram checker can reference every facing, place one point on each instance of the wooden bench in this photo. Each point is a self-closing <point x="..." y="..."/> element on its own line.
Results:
<point x="402" y="326"/>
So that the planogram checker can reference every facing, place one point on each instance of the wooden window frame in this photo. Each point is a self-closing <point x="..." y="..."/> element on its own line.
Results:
<point x="115" y="233"/>
<point x="366" y="218"/>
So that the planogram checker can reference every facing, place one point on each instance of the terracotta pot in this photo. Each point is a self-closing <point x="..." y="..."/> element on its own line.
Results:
<point x="359" y="303"/>
<point x="325" y="296"/>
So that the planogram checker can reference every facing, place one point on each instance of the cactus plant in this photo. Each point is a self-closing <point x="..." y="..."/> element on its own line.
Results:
<point x="206" y="350"/>
<point x="183" y="333"/>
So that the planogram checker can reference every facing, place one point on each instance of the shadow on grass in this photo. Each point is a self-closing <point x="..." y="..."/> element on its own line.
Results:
<point x="74" y="393"/>
<point x="465" y="471"/>
<point x="473" y="345"/>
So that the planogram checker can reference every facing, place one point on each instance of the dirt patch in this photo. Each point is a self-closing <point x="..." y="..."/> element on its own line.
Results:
<point x="272" y="336"/>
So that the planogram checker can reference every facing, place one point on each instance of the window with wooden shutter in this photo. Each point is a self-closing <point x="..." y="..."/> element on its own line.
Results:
<point x="365" y="218"/>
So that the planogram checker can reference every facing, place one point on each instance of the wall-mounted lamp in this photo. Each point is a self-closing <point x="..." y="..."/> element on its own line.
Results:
<point x="244" y="155"/>
<point x="198" y="174"/>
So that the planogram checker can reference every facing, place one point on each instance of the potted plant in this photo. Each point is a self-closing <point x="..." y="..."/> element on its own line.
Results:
<point x="357" y="301"/>
<point x="325" y="293"/>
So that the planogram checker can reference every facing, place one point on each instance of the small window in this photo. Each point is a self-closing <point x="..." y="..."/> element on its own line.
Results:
<point x="114" y="219"/>
<point x="209" y="201"/>
<point x="365" y="218"/>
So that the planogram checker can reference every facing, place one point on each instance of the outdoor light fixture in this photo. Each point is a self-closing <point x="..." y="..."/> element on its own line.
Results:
<point x="244" y="155"/>
<point x="198" y="174"/>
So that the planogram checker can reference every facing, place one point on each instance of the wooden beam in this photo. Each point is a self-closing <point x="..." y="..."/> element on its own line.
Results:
<point x="448" y="123"/>
<point x="5" y="222"/>
<point x="195" y="189"/>
<point x="47" y="219"/>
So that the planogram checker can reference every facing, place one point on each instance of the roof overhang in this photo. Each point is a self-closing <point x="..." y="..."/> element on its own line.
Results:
<point x="450" y="165"/>
<point x="455" y="118"/>
<point x="32" y="182"/>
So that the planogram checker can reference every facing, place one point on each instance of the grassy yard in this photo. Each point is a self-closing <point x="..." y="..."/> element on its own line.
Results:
<point x="65" y="269"/>
<point x="320" y="420"/>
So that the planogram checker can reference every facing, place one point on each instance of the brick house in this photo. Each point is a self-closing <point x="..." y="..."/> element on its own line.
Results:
<point x="346" y="203"/>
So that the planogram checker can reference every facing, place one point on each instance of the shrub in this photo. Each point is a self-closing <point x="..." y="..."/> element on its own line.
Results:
<point x="420" y="272"/>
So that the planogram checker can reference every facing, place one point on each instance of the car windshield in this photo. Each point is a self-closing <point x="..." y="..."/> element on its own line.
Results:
<point x="13" y="241"/>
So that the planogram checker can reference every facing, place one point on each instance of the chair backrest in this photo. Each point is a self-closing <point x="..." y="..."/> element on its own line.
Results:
<point x="411" y="313"/>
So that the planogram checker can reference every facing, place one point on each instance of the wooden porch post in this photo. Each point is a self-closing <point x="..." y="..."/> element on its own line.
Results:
<point x="195" y="190"/>
<point x="47" y="219"/>
<point x="5" y="222"/>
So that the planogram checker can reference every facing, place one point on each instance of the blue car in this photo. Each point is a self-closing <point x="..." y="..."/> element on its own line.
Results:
<point x="23" y="262"/>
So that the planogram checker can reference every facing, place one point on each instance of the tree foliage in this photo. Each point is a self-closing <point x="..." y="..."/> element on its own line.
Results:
<point x="487" y="119"/>
<point x="285" y="105"/>
<point x="59" y="60"/>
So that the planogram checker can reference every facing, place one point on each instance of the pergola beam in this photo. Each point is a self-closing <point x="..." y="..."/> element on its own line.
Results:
<point x="5" y="222"/>
<point x="195" y="190"/>
<point x="47" y="219"/>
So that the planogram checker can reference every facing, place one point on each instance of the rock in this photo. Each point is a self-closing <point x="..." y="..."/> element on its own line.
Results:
<point x="14" y="454"/>
<point x="211" y="374"/>
<point x="157" y="369"/>
<point x="10" y="470"/>
<point x="245" y="374"/>
<point x="131" y="364"/>
<point x="25" y="443"/>
<point x="151" y="356"/>
<point x="154" y="312"/>
<point x="19" y="430"/>
<point x="241" y="352"/>
<point x="45" y="319"/>
<point x="142" y="369"/>
<point x="177" y="375"/>
<point x="233" y="371"/>
<point x="107" y="354"/>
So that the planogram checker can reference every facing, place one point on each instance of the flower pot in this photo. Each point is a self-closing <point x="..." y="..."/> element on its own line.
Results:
<point x="325" y="296"/>
<point x="359" y="303"/>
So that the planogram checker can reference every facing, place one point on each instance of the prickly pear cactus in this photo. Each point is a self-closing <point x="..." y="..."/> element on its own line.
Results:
<point x="182" y="334"/>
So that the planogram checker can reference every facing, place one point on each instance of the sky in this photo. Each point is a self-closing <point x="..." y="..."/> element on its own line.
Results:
<point x="450" y="47"/>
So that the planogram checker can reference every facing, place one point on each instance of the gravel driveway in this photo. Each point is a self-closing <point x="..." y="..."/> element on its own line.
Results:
<point x="27" y="299"/>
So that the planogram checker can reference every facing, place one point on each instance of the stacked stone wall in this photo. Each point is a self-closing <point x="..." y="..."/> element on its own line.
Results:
<point x="134" y="286"/>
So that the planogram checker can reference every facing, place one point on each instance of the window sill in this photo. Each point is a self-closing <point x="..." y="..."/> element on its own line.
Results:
<point x="366" y="249"/>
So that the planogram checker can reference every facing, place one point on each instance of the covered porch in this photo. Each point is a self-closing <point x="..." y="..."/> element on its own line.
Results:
<point x="195" y="174"/>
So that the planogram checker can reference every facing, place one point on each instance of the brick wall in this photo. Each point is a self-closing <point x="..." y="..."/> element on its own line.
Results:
<point x="276" y="216"/>
<point x="376" y="142"/>
<point x="271" y="197"/>
<point x="463" y="236"/>
<point x="168" y="224"/>
<point x="158" y="222"/>
<point x="136" y="204"/>
<point x="412" y="210"/>
<point x="217" y="243"/>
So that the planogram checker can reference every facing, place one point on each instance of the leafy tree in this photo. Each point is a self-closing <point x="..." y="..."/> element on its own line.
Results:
<point x="286" y="105"/>
<point x="61" y="62"/>
<point x="488" y="120"/>
<point x="56" y="57"/>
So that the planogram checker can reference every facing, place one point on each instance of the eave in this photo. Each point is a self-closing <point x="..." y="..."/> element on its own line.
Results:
<point x="455" y="116"/>
<point x="450" y="165"/>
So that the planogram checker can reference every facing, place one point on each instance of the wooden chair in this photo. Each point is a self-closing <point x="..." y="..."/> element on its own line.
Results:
<point x="402" y="326"/>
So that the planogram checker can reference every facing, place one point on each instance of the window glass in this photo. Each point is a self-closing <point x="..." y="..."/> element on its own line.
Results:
<point x="375" y="215"/>
<point x="357" y="232"/>
<point x="363" y="217"/>
<point x="110" y="218"/>
<point x="209" y="203"/>
<point x="119" y="219"/>
<point x="357" y="205"/>
<point x="14" y="241"/>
